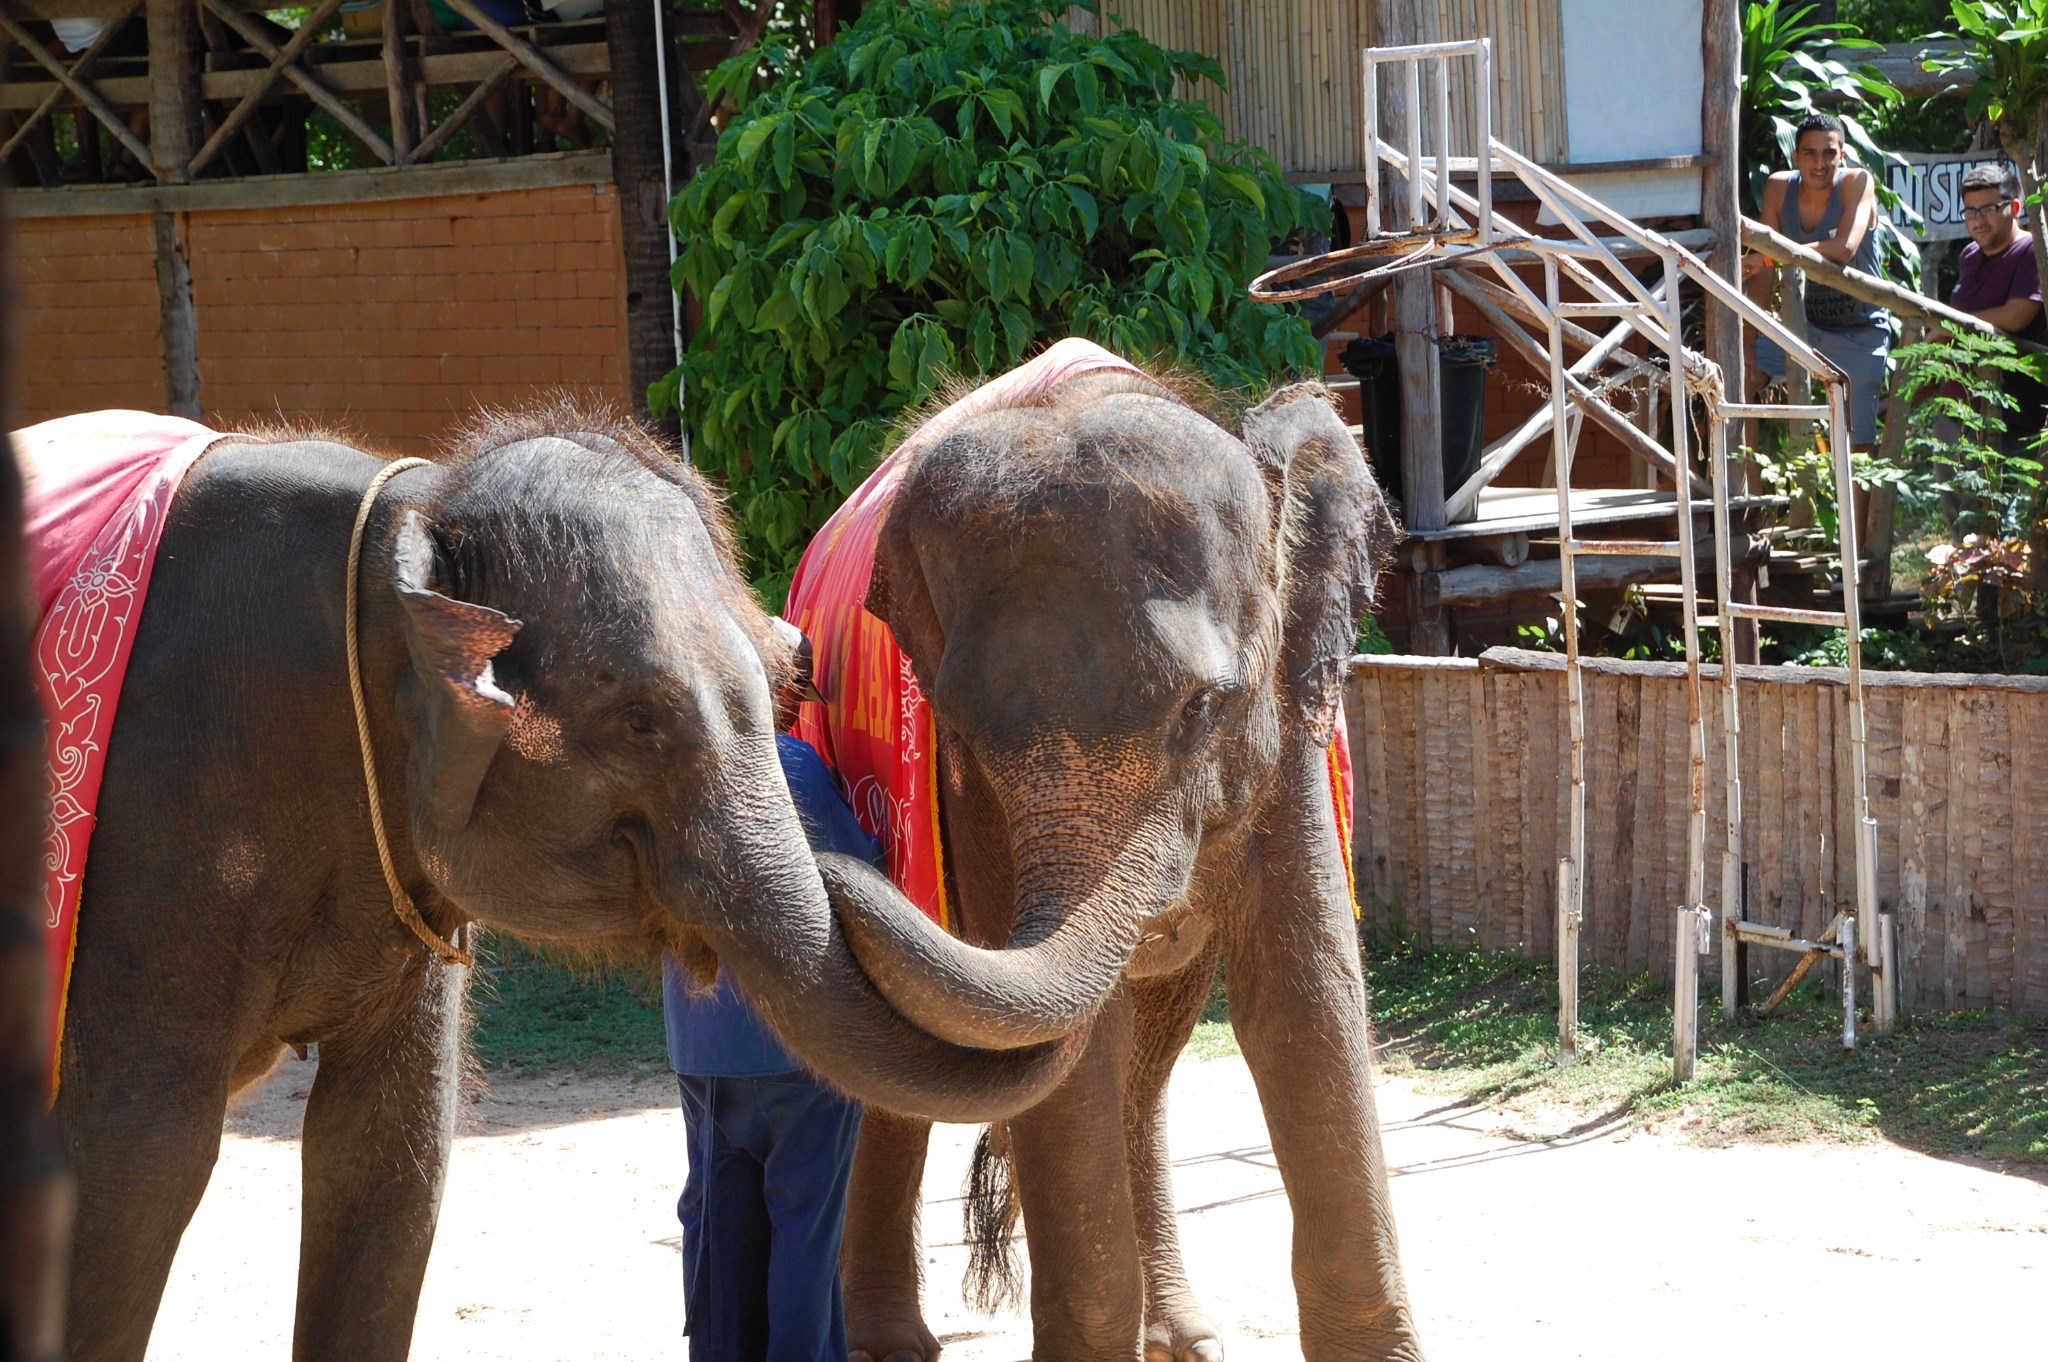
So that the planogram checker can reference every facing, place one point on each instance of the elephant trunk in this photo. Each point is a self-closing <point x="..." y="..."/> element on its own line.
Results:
<point x="771" y="922"/>
<point x="1078" y="913"/>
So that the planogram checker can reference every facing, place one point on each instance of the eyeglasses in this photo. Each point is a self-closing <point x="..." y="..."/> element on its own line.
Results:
<point x="1986" y="210"/>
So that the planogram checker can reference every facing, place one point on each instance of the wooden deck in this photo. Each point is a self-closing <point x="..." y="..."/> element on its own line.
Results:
<point x="1533" y="510"/>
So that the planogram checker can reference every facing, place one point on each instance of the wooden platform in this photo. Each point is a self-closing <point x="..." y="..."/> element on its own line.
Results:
<point x="1533" y="510"/>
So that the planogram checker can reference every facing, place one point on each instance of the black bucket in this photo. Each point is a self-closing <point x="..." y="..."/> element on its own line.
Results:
<point x="1462" y="362"/>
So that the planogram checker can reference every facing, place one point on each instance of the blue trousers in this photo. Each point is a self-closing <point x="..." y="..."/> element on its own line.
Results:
<point x="763" y="1211"/>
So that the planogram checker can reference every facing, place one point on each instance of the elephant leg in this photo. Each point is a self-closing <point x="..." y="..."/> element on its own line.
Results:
<point x="1166" y="1009"/>
<point x="1074" y="1183"/>
<point x="379" y="1124"/>
<point x="1297" y="1002"/>
<point x="879" y="1269"/>
<point x="143" y="1149"/>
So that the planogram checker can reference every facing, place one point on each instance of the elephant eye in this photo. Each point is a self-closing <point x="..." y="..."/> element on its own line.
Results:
<point x="1199" y="713"/>
<point x="643" y="721"/>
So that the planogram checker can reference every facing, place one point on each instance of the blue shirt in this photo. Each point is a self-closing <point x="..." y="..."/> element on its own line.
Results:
<point x="718" y="1034"/>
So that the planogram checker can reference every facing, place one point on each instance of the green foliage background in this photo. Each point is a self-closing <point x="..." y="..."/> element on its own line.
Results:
<point x="944" y="190"/>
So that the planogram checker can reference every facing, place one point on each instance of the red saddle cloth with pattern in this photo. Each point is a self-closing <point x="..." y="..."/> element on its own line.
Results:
<point x="874" y="725"/>
<point x="98" y="489"/>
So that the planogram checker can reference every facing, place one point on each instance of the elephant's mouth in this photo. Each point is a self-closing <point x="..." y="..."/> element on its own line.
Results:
<point x="1170" y="942"/>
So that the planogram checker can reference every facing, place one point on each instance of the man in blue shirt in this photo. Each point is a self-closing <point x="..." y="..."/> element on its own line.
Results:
<point x="771" y="1147"/>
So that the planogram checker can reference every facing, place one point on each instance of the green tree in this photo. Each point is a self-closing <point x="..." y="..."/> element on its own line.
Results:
<point x="1788" y="70"/>
<point x="945" y="189"/>
<point x="2006" y="44"/>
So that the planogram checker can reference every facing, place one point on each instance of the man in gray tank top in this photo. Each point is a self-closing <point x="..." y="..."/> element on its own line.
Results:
<point x="1832" y="208"/>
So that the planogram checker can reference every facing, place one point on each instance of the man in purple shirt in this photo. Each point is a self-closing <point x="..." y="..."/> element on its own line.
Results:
<point x="2001" y="282"/>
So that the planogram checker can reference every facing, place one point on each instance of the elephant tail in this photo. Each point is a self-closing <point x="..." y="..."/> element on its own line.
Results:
<point x="989" y="1211"/>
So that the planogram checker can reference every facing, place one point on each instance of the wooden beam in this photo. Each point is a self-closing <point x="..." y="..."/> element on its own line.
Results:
<point x="1483" y="585"/>
<point x="462" y="112"/>
<point x="84" y="93"/>
<point x="313" y="88"/>
<point x="530" y="57"/>
<point x="377" y="185"/>
<point x="1878" y="292"/>
<point x="438" y="70"/>
<point x="78" y="70"/>
<point x="282" y="59"/>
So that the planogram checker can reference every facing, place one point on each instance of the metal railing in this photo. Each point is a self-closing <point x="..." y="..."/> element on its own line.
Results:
<point x="1450" y="228"/>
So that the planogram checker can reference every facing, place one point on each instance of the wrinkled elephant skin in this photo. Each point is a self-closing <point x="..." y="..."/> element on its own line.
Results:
<point x="1132" y="626"/>
<point x="567" y="690"/>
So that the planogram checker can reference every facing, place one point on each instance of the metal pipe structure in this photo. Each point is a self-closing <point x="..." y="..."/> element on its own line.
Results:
<point x="1466" y="231"/>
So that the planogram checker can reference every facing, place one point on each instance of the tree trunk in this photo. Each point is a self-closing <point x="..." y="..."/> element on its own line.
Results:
<point x="637" y="169"/>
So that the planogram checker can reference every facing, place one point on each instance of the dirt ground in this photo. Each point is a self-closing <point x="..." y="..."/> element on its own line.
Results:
<point x="558" y="1238"/>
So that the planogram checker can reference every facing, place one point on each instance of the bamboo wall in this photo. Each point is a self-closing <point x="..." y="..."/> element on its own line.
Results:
<point x="1297" y="84"/>
<point x="1460" y="813"/>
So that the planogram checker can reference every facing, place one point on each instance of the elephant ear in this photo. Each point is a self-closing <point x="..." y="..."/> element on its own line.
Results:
<point x="1334" y="532"/>
<point x="899" y="596"/>
<point x="463" y="714"/>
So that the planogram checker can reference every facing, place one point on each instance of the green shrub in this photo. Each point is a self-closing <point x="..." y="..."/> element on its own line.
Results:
<point x="945" y="189"/>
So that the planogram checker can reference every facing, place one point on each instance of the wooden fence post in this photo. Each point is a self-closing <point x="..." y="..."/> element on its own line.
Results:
<point x="638" y="103"/>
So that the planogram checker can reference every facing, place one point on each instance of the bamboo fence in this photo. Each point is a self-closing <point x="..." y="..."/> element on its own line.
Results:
<point x="1296" y="85"/>
<point x="1460" y="820"/>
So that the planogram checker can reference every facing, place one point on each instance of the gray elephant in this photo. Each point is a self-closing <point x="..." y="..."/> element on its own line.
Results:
<point x="568" y="706"/>
<point x="1132" y="626"/>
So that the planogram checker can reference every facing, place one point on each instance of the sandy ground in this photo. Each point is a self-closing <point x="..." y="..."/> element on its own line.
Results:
<point x="558" y="1238"/>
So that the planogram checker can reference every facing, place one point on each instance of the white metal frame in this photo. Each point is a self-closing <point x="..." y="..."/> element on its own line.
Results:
<point x="1459" y="224"/>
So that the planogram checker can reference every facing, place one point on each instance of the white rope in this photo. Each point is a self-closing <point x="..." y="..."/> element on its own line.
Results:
<point x="401" y="902"/>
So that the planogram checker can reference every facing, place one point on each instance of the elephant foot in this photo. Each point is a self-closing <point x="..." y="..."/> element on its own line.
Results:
<point x="888" y="1332"/>
<point x="1184" y="1335"/>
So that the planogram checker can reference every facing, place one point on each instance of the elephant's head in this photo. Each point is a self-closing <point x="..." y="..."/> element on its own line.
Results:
<point x="1123" y="616"/>
<point x="591" y="754"/>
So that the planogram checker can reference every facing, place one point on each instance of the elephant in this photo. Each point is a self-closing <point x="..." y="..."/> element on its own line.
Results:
<point x="566" y="695"/>
<point x="1132" y="625"/>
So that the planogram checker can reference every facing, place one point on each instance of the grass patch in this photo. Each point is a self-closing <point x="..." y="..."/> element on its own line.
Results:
<point x="1484" y="1028"/>
<point x="535" y="1012"/>
<point x="1213" y="1038"/>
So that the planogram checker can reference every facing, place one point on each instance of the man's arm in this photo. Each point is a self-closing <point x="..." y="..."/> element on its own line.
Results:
<point x="1754" y="264"/>
<point x="2012" y="316"/>
<point x="1859" y="213"/>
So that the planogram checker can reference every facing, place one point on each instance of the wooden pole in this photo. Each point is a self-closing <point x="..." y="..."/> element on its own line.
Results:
<point x="401" y="82"/>
<point x="1398" y="23"/>
<point x="637" y="168"/>
<point x="1877" y="292"/>
<point x="178" y="319"/>
<point x="174" y="66"/>
<point x="1721" y="213"/>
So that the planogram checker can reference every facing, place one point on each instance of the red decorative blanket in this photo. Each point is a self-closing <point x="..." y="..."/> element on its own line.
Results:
<point x="874" y="726"/>
<point x="98" y="489"/>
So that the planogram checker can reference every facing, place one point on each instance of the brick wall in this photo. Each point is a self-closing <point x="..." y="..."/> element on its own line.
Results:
<point x="390" y="320"/>
<point x="86" y="317"/>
